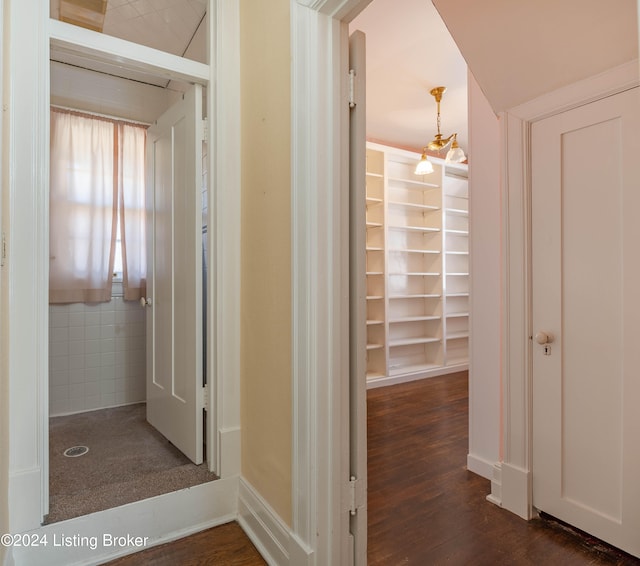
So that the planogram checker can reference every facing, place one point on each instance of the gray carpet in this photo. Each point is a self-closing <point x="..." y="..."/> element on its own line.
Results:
<point x="128" y="460"/>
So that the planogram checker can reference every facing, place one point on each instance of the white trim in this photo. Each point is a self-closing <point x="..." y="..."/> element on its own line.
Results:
<point x="344" y="10"/>
<point x="162" y="519"/>
<point x="480" y="466"/>
<point x="223" y="303"/>
<point x="373" y="383"/>
<point x="106" y="48"/>
<point x="320" y="452"/>
<point x="271" y="536"/>
<point x="514" y="491"/>
<point x="28" y="262"/>
<point x="607" y="83"/>
<point x="319" y="322"/>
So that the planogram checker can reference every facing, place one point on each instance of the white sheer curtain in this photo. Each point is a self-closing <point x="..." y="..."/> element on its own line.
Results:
<point x="97" y="168"/>
<point x="131" y="152"/>
<point x="83" y="193"/>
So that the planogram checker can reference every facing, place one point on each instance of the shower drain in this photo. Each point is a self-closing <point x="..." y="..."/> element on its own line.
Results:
<point x="75" y="451"/>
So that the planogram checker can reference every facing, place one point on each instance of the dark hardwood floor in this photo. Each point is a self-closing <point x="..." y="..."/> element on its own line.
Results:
<point x="226" y="545"/>
<point x="425" y="508"/>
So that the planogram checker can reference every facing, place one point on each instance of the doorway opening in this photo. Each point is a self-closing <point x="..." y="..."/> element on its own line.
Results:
<point x="417" y="226"/>
<point x="98" y="351"/>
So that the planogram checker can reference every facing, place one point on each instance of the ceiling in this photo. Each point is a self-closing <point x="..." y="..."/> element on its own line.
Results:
<point x="521" y="50"/>
<point x="410" y="51"/>
<point x="173" y="26"/>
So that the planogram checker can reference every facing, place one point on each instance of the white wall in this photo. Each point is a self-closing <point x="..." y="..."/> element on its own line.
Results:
<point x="96" y="356"/>
<point x="486" y="278"/>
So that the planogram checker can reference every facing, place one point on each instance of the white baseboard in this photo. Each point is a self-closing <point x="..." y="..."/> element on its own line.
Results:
<point x="230" y="443"/>
<point x="407" y="377"/>
<point x="516" y="490"/>
<point x="156" y="520"/>
<point x="495" y="496"/>
<point x="25" y="488"/>
<point x="268" y="532"/>
<point x="480" y="466"/>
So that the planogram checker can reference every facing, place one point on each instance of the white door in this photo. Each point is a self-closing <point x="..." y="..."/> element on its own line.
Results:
<point x="586" y="299"/>
<point x="357" y="299"/>
<point x="175" y="394"/>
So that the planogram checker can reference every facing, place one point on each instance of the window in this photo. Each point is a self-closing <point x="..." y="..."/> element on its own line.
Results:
<point x="96" y="203"/>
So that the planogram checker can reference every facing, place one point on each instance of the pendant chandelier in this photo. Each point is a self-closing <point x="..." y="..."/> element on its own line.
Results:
<point x="455" y="153"/>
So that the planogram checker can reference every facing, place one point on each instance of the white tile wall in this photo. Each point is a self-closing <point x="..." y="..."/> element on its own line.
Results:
<point x="97" y="356"/>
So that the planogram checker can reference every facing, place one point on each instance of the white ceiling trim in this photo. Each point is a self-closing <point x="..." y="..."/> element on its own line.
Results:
<point x="67" y="38"/>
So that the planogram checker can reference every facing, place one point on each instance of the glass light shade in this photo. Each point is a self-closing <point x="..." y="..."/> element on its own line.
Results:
<point x="424" y="166"/>
<point x="455" y="155"/>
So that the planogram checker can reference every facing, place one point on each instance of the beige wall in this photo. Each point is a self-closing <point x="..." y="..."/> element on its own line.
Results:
<point x="266" y="250"/>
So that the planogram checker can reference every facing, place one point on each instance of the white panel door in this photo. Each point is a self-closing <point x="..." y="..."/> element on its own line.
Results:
<point x="174" y="317"/>
<point x="357" y="299"/>
<point x="586" y="299"/>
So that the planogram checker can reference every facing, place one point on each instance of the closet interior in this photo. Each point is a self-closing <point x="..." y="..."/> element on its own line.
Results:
<point x="97" y="351"/>
<point x="417" y="262"/>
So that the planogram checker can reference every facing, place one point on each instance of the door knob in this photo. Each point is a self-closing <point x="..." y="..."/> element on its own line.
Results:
<point x="544" y="337"/>
<point x="145" y="302"/>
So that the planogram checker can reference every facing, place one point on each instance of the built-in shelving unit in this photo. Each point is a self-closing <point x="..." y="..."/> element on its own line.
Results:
<point x="417" y="267"/>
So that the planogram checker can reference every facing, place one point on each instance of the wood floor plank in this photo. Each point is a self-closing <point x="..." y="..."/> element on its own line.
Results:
<point x="425" y="508"/>
<point x="226" y="545"/>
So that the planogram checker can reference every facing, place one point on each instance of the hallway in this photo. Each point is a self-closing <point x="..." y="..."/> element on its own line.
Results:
<point x="425" y="508"/>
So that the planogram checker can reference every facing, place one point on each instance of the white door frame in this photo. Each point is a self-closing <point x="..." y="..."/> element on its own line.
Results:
<point x="319" y="214"/>
<point x="513" y="486"/>
<point x="25" y="331"/>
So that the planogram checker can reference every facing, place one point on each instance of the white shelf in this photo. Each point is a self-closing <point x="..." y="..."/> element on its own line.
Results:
<point x="412" y="341"/>
<point x="413" y="319"/>
<point x="420" y="217"/>
<point x="457" y="335"/>
<point x="415" y="228"/>
<point x="415" y="274"/>
<point x="428" y="207"/>
<point x="457" y="315"/>
<point x="422" y="185"/>
<point x="457" y="211"/>
<point x="426" y="296"/>
<point x="414" y="251"/>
